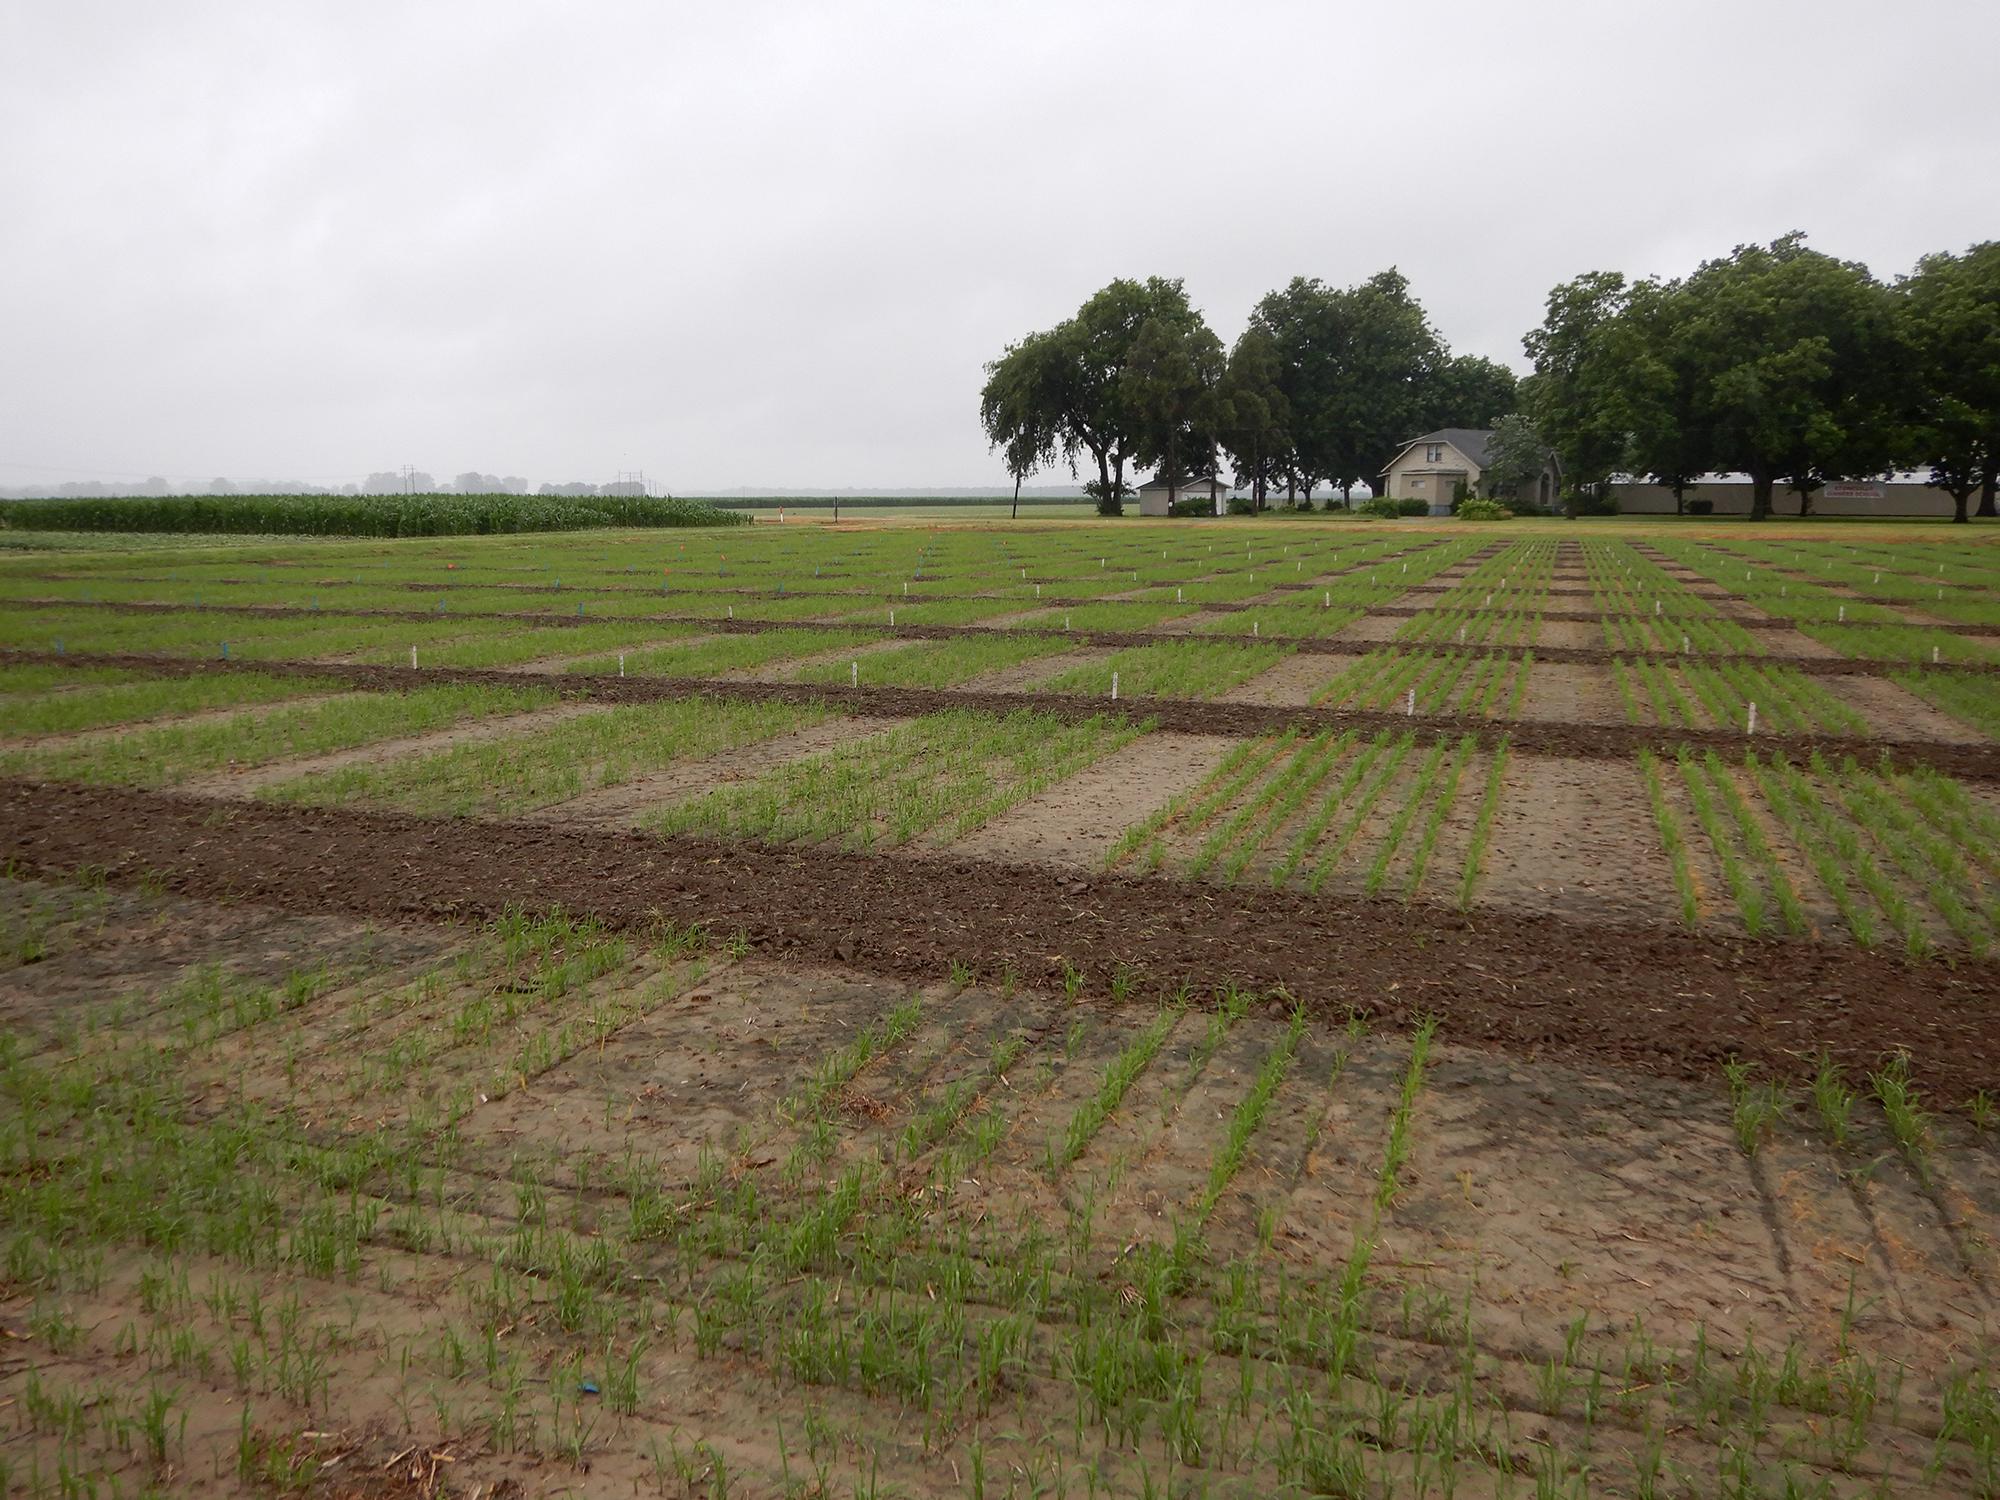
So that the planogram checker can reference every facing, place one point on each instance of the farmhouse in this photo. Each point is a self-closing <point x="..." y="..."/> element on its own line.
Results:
<point x="1729" y="495"/>
<point x="1153" y="493"/>
<point x="1432" y="468"/>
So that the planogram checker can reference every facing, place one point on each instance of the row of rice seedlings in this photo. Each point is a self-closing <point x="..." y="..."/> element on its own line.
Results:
<point x="1435" y="787"/>
<point x="1110" y="616"/>
<point x="1787" y="700"/>
<point x="1172" y="669"/>
<point x="1739" y="843"/>
<point x="1120" y="1074"/>
<point x="1515" y="627"/>
<point x="1236" y="842"/>
<point x="1341" y="816"/>
<point x="168" y="754"/>
<point x="936" y="664"/>
<point x="1482" y="825"/>
<point x="1303" y="616"/>
<point x="1832" y="846"/>
<point x="541" y="767"/>
<point x="1195" y="808"/>
<point x="836" y="1071"/>
<point x="1663" y="704"/>
<point x="538" y="643"/>
<point x="950" y="772"/>
<point x="1249" y="1114"/>
<point x="1971" y="698"/>
<point x="1929" y="857"/>
<point x="1916" y="644"/>
<point x="710" y="656"/>
<point x="262" y="638"/>
<point x="1676" y="634"/>
<point x="94" y="702"/>
<point x="1686" y="887"/>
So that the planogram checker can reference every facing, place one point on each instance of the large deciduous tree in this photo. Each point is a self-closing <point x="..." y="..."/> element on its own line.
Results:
<point x="1516" y="456"/>
<point x="1170" y="396"/>
<point x="1578" y="395"/>
<point x="1796" y="363"/>
<point x="1069" y="385"/>
<point x="1254" y="416"/>
<point x="1951" y="319"/>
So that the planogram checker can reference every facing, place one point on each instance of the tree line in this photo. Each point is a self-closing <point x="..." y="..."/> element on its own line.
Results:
<point x="1776" y="361"/>
<point x="1779" y="362"/>
<point x="1323" y="387"/>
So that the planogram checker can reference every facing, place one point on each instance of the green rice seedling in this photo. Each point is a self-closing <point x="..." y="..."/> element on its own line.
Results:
<point x="1482" y="826"/>
<point x="1902" y="1107"/>
<point x="172" y="753"/>
<point x="1755" y="1108"/>
<point x="1356" y="815"/>
<point x="1701" y="792"/>
<point x="1250" y="1112"/>
<point x="1833" y="1100"/>
<point x="1671" y="839"/>
<point x="1241" y="766"/>
<point x="1419" y="792"/>
<point x="1120" y="1074"/>
<point x="1779" y="785"/>
<point x="1984" y="1110"/>
<point x="553" y="763"/>
<point x="951" y="772"/>
<point x="1275" y="802"/>
<point x="837" y="1071"/>
<point x="96" y="705"/>
<point x="1440" y="808"/>
<point x="1396" y="1150"/>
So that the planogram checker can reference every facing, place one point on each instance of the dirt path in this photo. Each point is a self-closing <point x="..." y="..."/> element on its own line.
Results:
<point x="1074" y="824"/>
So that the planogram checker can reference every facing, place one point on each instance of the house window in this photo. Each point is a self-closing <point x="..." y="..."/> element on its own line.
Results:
<point x="1416" y="484"/>
<point x="1434" y="453"/>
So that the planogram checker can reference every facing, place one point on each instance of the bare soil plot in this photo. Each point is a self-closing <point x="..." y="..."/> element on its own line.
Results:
<point x="1075" y="823"/>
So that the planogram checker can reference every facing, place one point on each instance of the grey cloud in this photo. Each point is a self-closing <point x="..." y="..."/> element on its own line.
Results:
<point x="774" y="244"/>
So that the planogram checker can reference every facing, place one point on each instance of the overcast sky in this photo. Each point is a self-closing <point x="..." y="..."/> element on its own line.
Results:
<point x="746" y="244"/>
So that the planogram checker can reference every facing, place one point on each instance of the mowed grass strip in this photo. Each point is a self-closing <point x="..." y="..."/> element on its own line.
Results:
<point x="936" y="663"/>
<point x="1172" y="669"/>
<point x="95" y="705"/>
<point x="948" y="772"/>
<point x="173" y="753"/>
<point x="546" y="766"/>
<point x="725" y="653"/>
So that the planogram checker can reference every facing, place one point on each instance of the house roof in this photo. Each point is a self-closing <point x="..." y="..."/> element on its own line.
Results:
<point x="1159" y="482"/>
<point x="1471" y="441"/>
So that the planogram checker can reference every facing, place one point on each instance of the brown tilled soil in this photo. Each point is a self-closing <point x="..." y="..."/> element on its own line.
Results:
<point x="1638" y="996"/>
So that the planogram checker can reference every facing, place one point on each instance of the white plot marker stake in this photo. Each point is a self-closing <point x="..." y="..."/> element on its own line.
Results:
<point x="1843" y="614"/>
<point x="413" y="656"/>
<point x="1751" y="722"/>
<point x="1114" y="684"/>
<point x="732" y="611"/>
<point x="1934" y="656"/>
<point x="1410" y="704"/>
<point x="621" y="663"/>
<point x="854" y="673"/>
